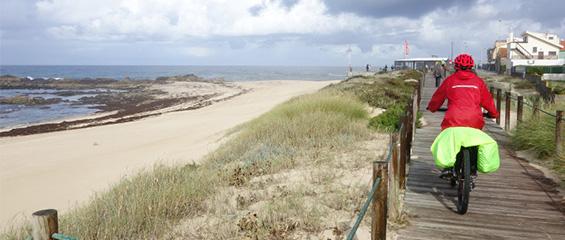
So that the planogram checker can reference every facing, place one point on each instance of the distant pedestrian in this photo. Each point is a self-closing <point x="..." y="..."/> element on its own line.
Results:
<point x="444" y="69"/>
<point x="438" y="71"/>
<point x="367" y="67"/>
<point x="386" y="68"/>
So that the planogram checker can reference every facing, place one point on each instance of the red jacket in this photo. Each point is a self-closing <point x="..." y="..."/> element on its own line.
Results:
<point x="466" y="93"/>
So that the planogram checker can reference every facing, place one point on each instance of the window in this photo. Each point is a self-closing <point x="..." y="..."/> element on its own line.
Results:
<point x="552" y="53"/>
<point x="551" y="38"/>
<point x="535" y="50"/>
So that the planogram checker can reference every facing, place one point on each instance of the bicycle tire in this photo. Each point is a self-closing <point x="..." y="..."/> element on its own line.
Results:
<point x="464" y="183"/>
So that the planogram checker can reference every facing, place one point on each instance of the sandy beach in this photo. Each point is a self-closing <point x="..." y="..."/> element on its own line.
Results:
<point x="63" y="169"/>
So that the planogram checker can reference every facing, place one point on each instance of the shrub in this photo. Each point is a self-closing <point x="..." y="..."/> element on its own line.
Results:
<point x="534" y="70"/>
<point x="389" y="120"/>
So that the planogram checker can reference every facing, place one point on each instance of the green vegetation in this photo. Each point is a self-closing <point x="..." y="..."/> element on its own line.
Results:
<point x="390" y="93"/>
<point x="388" y="121"/>
<point x="537" y="134"/>
<point x="322" y="137"/>
<point x="540" y="70"/>
<point x="557" y="87"/>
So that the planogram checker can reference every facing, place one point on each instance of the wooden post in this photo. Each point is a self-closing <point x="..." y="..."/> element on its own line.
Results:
<point x="393" y="200"/>
<point x="44" y="224"/>
<point x="507" y="112"/>
<point x="492" y="91"/>
<point x="535" y="111"/>
<point x="415" y="108"/>
<point x="498" y="103"/>
<point x="379" y="220"/>
<point x="558" y="130"/>
<point x="419" y="90"/>
<point x="520" y="109"/>
<point x="402" y="156"/>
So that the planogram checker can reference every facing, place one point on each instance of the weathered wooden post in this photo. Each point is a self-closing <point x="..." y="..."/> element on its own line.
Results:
<point x="507" y="111"/>
<point x="536" y="108"/>
<point x="393" y="200"/>
<point x="420" y="86"/>
<point x="498" y="103"/>
<point x="558" y="131"/>
<point x="402" y="156"/>
<point x="44" y="224"/>
<point x="520" y="109"/>
<point x="379" y="218"/>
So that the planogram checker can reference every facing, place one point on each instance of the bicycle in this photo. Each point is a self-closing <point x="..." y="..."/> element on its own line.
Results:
<point x="466" y="163"/>
<point x="461" y="177"/>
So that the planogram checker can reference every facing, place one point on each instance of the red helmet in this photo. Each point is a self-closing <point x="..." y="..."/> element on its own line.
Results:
<point x="464" y="60"/>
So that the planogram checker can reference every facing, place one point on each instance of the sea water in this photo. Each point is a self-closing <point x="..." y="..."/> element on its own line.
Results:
<point x="228" y="73"/>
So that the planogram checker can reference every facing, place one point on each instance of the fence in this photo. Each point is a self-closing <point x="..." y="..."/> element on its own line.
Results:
<point x="539" y="84"/>
<point x="536" y="110"/>
<point x="389" y="175"/>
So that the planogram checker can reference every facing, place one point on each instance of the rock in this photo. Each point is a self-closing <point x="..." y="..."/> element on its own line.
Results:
<point x="26" y="100"/>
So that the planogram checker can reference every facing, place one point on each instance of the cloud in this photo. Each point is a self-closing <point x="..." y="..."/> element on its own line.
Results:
<point x="178" y="19"/>
<point x="264" y="31"/>
<point x="386" y="8"/>
<point x="198" y="51"/>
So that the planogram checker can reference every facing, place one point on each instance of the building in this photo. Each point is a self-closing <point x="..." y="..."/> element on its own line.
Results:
<point x="533" y="49"/>
<point x="418" y="63"/>
<point x="497" y="56"/>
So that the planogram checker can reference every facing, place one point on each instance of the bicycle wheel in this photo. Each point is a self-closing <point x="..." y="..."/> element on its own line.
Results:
<point x="464" y="182"/>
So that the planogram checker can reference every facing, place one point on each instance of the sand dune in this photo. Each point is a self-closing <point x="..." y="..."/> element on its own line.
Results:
<point x="62" y="169"/>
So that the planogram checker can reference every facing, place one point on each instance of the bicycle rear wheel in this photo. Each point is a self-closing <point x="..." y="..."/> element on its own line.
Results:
<point x="464" y="182"/>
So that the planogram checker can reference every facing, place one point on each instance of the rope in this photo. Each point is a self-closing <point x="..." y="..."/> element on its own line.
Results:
<point x="369" y="199"/>
<point x="351" y="234"/>
<point x="58" y="236"/>
<point x="541" y="110"/>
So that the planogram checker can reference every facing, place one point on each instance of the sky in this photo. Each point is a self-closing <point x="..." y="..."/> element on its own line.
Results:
<point x="261" y="32"/>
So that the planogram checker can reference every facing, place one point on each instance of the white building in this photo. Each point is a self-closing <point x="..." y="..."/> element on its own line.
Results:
<point x="418" y="63"/>
<point x="533" y="49"/>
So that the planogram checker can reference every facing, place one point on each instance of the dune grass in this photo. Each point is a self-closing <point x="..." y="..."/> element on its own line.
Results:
<point x="537" y="134"/>
<point x="145" y="206"/>
<point x="306" y="128"/>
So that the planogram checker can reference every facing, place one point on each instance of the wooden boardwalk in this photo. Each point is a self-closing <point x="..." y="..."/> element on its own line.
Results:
<point x="509" y="204"/>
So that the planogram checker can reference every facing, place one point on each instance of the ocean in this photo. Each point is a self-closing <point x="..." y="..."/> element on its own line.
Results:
<point x="228" y="73"/>
<point x="20" y="115"/>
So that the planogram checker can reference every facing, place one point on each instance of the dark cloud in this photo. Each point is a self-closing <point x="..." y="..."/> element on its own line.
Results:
<point x="548" y="12"/>
<point x="387" y="8"/>
<point x="255" y="10"/>
<point x="289" y="3"/>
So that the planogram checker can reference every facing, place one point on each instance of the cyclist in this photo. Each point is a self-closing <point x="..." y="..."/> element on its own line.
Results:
<point x="466" y="93"/>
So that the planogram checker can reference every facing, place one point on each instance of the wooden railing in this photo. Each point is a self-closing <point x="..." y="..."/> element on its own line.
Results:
<point x="519" y="115"/>
<point x="389" y="175"/>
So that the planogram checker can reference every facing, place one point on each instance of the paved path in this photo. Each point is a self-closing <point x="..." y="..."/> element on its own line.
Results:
<point x="508" y="204"/>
